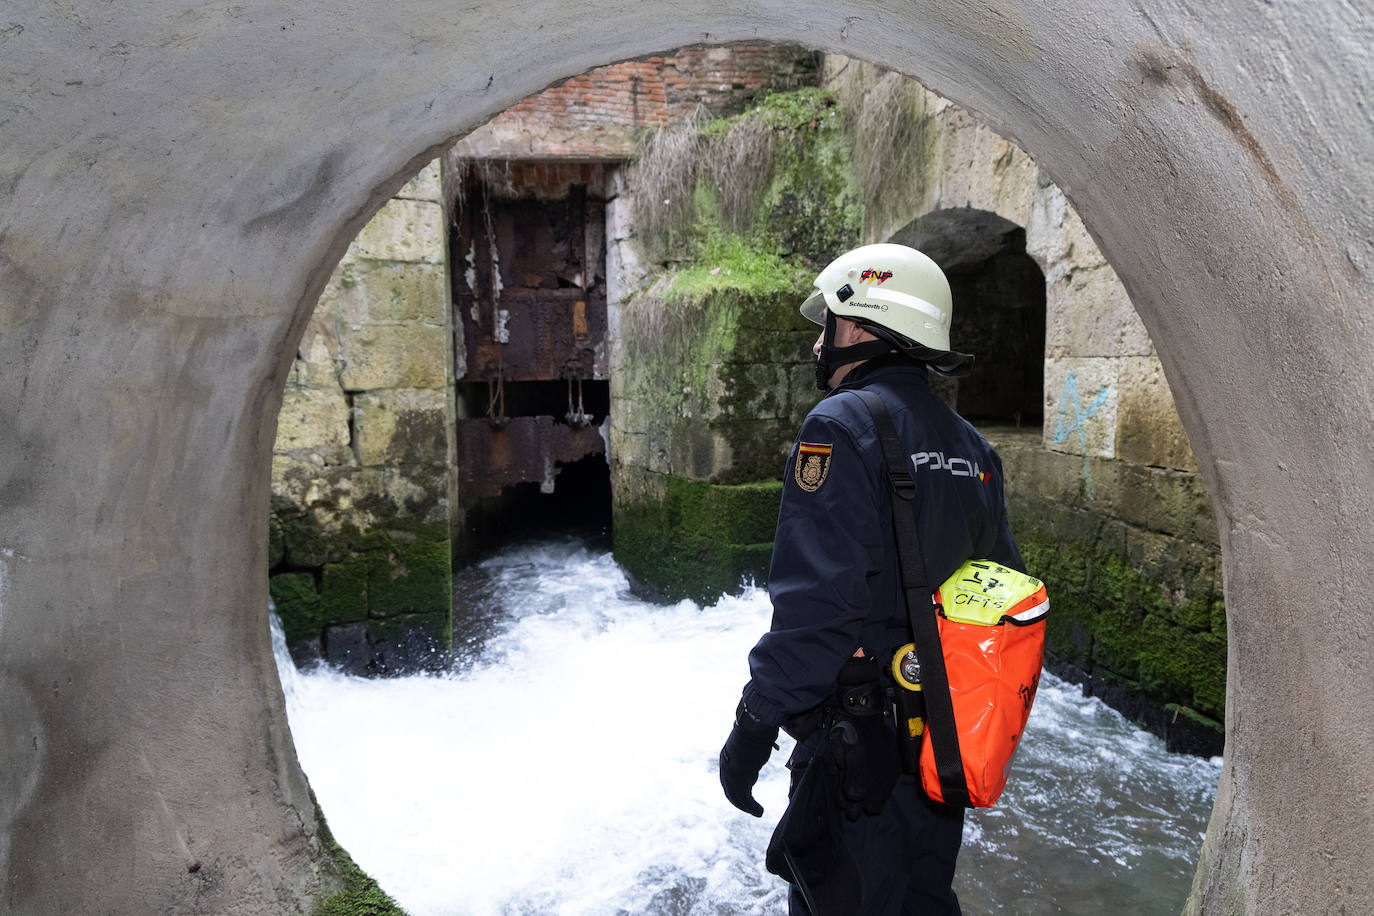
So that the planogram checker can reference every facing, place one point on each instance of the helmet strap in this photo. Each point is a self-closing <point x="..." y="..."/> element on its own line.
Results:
<point x="949" y="363"/>
<point x="833" y="357"/>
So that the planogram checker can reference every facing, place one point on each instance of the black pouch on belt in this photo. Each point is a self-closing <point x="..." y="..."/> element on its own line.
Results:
<point x="861" y="749"/>
<point x="807" y="848"/>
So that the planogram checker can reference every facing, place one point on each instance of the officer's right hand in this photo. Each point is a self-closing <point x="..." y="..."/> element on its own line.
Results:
<point x="745" y="752"/>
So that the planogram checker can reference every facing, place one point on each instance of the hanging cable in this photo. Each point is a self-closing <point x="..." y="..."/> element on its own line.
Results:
<point x="496" y="400"/>
<point x="577" y="417"/>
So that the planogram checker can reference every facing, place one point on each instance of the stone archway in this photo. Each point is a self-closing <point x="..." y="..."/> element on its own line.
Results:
<point x="991" y="276"/>
<point x="178" y="181"/>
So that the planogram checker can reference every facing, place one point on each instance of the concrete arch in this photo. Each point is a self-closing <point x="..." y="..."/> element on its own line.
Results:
<point x="178" y="179"/>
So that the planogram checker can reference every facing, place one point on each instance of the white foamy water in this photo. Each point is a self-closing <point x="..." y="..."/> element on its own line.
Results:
<point x="568" y="766"/>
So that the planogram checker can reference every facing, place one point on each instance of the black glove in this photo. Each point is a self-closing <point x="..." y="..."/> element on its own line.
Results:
<point x="746" y="751"/>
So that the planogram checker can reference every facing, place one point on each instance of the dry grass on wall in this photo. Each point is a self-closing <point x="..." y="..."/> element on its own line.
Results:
<point x="665" y="175"/>
<point x="740" y="161"/>
<point x="734" y="158"/>
<point x="890" y="131"/>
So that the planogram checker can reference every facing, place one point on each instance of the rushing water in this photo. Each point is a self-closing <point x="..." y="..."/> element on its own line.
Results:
<point x="567" y="765"/>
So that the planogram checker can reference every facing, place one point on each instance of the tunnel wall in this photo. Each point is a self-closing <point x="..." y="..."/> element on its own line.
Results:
<point x="177" y="178"/>
<point x="359" y="552"/>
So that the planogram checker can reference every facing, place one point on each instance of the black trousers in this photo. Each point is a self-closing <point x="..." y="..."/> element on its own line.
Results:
<point x="905" y="856"/>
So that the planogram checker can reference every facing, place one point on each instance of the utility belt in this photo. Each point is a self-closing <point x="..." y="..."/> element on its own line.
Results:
<point x="867" y="687"/>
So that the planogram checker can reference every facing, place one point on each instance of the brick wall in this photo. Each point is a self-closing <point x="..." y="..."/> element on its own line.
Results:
<point x="595" y="115"/>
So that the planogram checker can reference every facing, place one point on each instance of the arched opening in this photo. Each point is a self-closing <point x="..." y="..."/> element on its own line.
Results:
<point x="162" y="248"/>
<point x="1001" y="292"/>
<point x="529" y="280"/>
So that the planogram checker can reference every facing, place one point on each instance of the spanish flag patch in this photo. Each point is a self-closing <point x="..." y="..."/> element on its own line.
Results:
<point x="813" y="463"/>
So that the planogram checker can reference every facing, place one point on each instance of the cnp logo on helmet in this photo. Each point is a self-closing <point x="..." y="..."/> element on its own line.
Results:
<point x="892" y="286"/>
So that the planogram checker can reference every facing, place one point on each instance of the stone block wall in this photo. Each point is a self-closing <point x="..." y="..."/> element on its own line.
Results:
<point x="707" y="392"/>
<point x="1105" y="390"/>
<point x="711" y="367"/>
<point x="1135" y="581"/>
<point x="360" y="551"/>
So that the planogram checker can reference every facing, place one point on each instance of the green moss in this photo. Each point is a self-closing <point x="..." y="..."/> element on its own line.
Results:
<point x="304" y="540"/>
<point x="428" y="638"/>
<point x="812" y="206"/>
<point x="1195" y="613"/>
<point x="702" y="376"/>
<point x="343" y="590"/>
<point x="276" y="546"/>
<point x="413" y="578"/>
<point x="739" y="265"/>
<point x="1108" y="619"/>
<point x="807" y="108"/>
<point x="380" y="572"/>
<point x="701" y="540"/>
<point x="361" y="895"/>
<point x="298" y="605"/>
<point x="809" y="209"/>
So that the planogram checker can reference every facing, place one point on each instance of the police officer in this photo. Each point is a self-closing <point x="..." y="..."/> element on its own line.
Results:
<point x="835" y="583"/>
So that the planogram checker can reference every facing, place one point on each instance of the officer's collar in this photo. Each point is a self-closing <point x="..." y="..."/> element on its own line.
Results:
<point x="860" y="374"/>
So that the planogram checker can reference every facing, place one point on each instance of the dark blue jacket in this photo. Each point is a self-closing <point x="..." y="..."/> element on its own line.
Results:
<point x="834" y="581"/>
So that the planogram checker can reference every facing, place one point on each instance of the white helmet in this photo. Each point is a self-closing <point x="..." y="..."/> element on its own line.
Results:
<point x="889" y="285"/>
<point x="898" y="294"/>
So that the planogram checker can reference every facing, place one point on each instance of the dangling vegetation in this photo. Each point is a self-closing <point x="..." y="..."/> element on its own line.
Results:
<point x="665" y="181"/>
<point x="891" y="122"/>
<point x="703" y="176"/>
<point x="740" y="162"/>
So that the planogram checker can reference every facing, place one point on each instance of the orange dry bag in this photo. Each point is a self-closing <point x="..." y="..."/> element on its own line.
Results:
<point x="992" y="637"/>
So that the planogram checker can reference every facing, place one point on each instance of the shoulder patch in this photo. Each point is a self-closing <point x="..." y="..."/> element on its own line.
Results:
<point x="813" y="463"/>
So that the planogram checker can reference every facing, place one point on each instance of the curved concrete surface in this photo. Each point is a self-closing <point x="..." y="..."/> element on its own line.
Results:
<point x="177" y="179"/>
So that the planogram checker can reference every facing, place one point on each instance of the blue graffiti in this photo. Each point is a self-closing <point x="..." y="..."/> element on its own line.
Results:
<point x="1080" y="416"/>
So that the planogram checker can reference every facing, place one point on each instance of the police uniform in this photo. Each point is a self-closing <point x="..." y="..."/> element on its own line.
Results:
<point x="836" y="588"/>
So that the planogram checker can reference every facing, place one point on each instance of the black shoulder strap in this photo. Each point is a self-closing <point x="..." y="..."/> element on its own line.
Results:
<point x="920" y="608"/>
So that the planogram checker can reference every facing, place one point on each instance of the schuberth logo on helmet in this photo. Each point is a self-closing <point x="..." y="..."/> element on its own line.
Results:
<point x="813" y="463"/>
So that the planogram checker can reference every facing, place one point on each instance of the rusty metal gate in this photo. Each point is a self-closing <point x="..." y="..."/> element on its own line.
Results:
<point x="530" y="299"/>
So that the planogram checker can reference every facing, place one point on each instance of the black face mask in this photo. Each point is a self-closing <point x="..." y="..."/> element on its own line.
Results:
<point x="833" y="357"/>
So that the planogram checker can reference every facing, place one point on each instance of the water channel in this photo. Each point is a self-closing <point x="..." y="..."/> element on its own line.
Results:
<point x="566" y="765"/>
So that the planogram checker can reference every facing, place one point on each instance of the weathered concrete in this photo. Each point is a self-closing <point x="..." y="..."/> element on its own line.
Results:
<point x="178" y="181"/>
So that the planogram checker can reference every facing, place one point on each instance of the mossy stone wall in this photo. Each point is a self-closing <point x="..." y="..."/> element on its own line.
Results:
<point x="706" y="405"/>
<point x="684" y="538"/>
<point x="1132" y="565"/>
<point x="360" y="531"/>
<point x="712" y="371"/>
